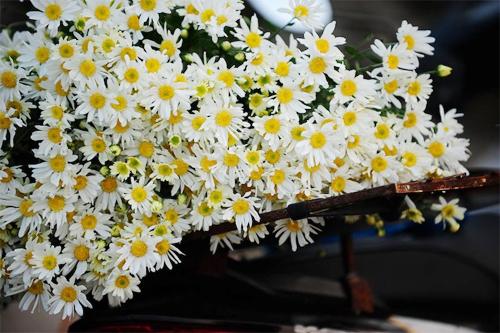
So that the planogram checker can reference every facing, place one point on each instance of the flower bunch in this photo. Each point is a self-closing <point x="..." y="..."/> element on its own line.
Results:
<point x="149" y="119"/>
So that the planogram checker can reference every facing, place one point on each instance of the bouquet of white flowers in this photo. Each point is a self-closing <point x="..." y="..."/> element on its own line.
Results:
<point x="146" y="120"/>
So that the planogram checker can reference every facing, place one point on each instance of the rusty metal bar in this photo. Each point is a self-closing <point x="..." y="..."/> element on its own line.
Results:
<point x="309" y="208"/>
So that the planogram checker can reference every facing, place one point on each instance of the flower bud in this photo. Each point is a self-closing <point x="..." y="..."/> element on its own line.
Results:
<point x="104" y="170"/>
<point x="175" y="141"/>
<point x="443" y="70"/>
<point x="226" y="46"/>
<point x="115" y="150"/>
<point x="454" y="226"/>
<point x="156" y="206"/>
<point x="184" y="33"/>
<point x="240" y="56"/>
<point x="181" y="199"/>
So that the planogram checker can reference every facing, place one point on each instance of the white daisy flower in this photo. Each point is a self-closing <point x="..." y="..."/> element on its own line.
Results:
<point x="46" y="260"/>
<point x="53" y="13"/>
<point x="139" y="254"/>
<point x="243" y="210"/>
<point x="306" y="11"/>
<point x="412" y="213"/>
<point x="139" y="195"/>
<point x="122" y="285"/>
<point x="37" y="293"/>
<point x="224" y="240"/>
<point x="351" y="87"/>
<point x="450" y="212"/>
<point x="68" y="297"/>
<point x="251" y="37"/>
<point x="299" y="232"/>
<point x="90" y="224"/>
<point x="416" y="40"/>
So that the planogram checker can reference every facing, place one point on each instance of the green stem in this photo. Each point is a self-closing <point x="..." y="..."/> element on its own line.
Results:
<point x="289" y="23"/>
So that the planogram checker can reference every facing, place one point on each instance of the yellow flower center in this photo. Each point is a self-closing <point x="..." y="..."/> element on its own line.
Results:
<point x="146" y="149"/>
<point x="301" y="11"/>
<point x="87" y="68"/>
<point x="284" y="95"/>
<point x="138" y="248"/>
<point x="204" y="209"/>
<point x="223" y="118"/>
<point x="296" y="133"/>
<point x="392" y="61"/>
<point x="49" y="262"/>
<point x="139" y="194"/>
<point x="36" y="288"/>
<point x="241" y="206"/>
<point x="166" y="92"/>
<point x="338" y="184"/>
<point x="122" y="282"/>
<point x="293" y="226"/>
<point x="410" y="41"/>
<point x="25" y="208"/>
<point x="9" y="79"/>
<point x="278" y="177"/>
<point x="411" y="120"/>
<point x="317" y="140"/>
<point x="414" y="88"/>
<point x="349" y="118"/>
<point x="282" y="68"/>
<point x="348" y="88"/>
<point x="382" y="131"/>
<point x="42" y="54"/>
<point x="56" y="203"/>
<point x="253" y="40"/>
<point x="131" y="75"/>
<point x="231" y="160"/>
<point x="353" y="142"/>
<point x="391" y="86"/>
<point x="162" y="247"/>
<point x="207" y="164"/>
<point x="379" y="164"/>
<point x="81" y="182"/>
<point x="133" y="22"/>
<point x="409" y="159"/>
<point x="436" y="149"/>
<point x="98" y="145"/>
<point x="322" y="45"/>
<point x="109" y="185"/>
<point x="273" y="156"/>
<point x="152" y="65"/>
<point x="147" y="5"/>
<point x="226" y="77"/>
<point x="165" y="170"/>
<point x="68" y="294"/>
<point x="207" y="15"/>
<point x="181" y="167"/>
<point x="54" y="135"/>
<point x="81" y="252"/>
<point x="272" y="125"/>
<point x="171" y="216"/>
<point x="53" y="11"/>
<point x="448" y="211"/>
<point x="197" y="122"/>
<point x="66" y="50"/>
<point x="88" y="222"/>
<point x="317" y="65"/>
<point x="57" y="163"/>
<point x="129" y="52"/>
<point x="253" y="157"/>
<point x="120" y="104"/>
<point x="168" y="47"/>
<point x="102" y="12"/>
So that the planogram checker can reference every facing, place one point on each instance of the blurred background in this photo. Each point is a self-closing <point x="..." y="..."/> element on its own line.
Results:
<point x="417" y="272"/>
